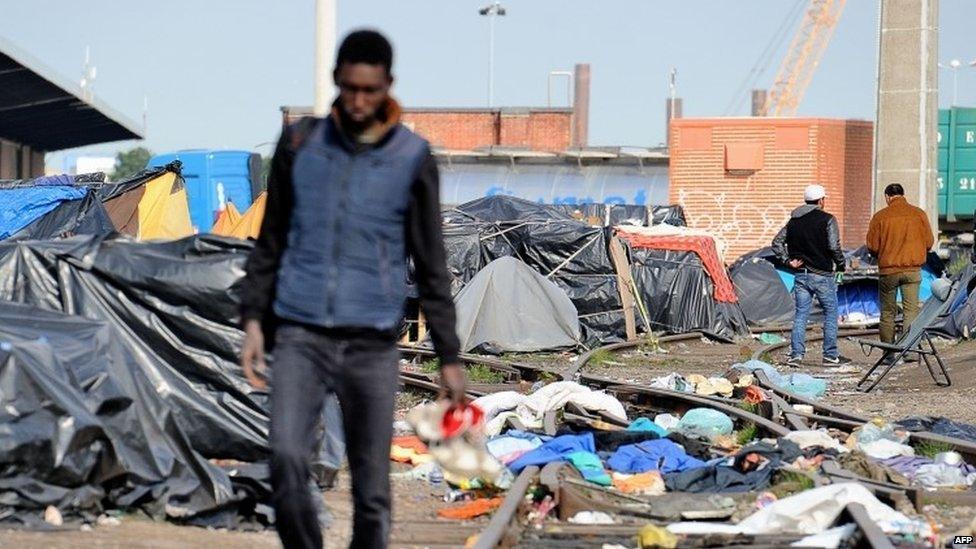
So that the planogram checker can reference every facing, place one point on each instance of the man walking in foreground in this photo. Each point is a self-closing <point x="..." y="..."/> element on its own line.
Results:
<point x="349" y="197"/>
<point x="810" y="243"/>
<point x="900" y="236"/>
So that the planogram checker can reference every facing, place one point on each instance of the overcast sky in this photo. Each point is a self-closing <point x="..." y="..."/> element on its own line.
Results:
<point x="216" y="72"/>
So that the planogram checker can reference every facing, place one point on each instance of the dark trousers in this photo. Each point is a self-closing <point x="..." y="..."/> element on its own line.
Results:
<point x="362" y="372"/>
<point x="888" y="286"/>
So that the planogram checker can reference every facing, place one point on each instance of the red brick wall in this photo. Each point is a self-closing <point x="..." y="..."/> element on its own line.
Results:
<point x="858" y="173"/>
<point x="748" y="208"/>
<point x="537" y="130"/>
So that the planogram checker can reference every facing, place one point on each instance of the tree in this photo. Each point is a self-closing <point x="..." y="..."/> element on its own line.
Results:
<point x="130" y="162"/>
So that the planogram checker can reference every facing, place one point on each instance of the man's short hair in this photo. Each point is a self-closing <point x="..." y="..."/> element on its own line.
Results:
<point x="895" y="189"/>
<point x="366" y="46"/>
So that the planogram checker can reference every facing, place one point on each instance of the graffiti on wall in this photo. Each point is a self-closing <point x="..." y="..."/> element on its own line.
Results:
<point x="742" y="225"/>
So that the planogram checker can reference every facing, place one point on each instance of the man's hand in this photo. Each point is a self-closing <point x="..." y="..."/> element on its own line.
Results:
<point x="795" y="263"/>
<point x="454" y="381"/>
<point x="252" y="356"/>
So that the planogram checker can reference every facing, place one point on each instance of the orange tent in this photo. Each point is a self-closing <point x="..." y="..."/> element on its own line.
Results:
<point x="250" y="224"/>
<point x="227" y="220"/>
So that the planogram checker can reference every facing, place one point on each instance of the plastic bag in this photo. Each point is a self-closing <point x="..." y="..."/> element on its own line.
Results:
<point x="704" y="421"/>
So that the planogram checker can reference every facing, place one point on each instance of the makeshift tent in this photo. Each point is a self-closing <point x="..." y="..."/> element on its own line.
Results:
<point x="683" y="284"/>
<point x="508" y="307"/>
<point x="151" y="205"/>
<point x="961" y="320"/>
<point x="160" y="323"/>
<point x="572" y="254"/>
<point x="233" y="224"/>
<point x="610" y="215"/>
<point x="764" y="286"/>
<point x="227" y="219"/>
<point x="21" y="205"/>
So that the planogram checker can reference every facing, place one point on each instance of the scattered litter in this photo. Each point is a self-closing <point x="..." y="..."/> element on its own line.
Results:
<point x="818" y="438"/>
<point x="653" y="455"/>
<point x="711" y="386"/>
<point x="801" y="384"/>
<point x="704" y="421"/>
<point x="828" y="539"/>
<point x="643" y="424"/>
<point x="471" y="509"/>
<point x="767" y="338"/>
<point x="52" y="516"/>
<point x="656" y="536"/>
<point x="105" y="520"/>
<point x="649" y="483"/>
<point x="668" y="422"/>
<point x="530" y="410"/>
<point x="672" y="381"/>
<point x="591" y="517"/>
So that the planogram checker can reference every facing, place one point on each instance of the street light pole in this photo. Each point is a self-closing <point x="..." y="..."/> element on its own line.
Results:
<point x="954" y="67"/>
<point x="491" y="11"/>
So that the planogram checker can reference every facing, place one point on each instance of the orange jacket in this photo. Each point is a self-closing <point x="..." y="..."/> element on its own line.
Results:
<point x="900" y="236"/>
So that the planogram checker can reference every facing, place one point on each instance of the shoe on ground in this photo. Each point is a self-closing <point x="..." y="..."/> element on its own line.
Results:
<point x="836" y="361"/>
<point x="794" y="361"/>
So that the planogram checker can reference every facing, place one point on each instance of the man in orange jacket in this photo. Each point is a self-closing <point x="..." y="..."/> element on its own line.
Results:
<point x="900" y="236"/>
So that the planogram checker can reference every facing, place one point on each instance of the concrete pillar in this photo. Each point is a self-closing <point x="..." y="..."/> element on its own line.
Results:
<point x="759" y="102"/>
<point x="670" y="112"/>
<point x="581" y="105"/>
<point x="325" y="50"/>
<point x="36" y="163"/>
<point x="8" y="160"/>
<point x="906" y="139"/>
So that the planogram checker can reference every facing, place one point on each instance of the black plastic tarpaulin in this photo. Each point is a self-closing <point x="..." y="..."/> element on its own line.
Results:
<point x="679" y="297"/>
<point x="117" y="338"/>
<point x="84" y="425"/>
<point x="572" y="254"/>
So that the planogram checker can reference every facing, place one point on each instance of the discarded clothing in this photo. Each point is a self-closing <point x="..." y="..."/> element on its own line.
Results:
<point x="711" y="386"/>
<point x="667" y="422"/>
<point x="860" y="464"/>
<point x="513" y="444"/>
<point x="590" y="466"/>
<point x="718" y="478"/>
<point x="654" y="455"/>
<point x="531" y="410"/>
<point x="811" y="512"/>
<point x="694" y="446"/>
<point x="645" y="424"/>
<point x="591" y="517"/>
<point x="706" y="422"/>
<point x="557" y="449"/>
<point x="801" y="384"/>
<point x="818" y="438"/>
<point x="611" y="441"/>
<point x="672" y="381"/>
<point x="471" y="509"/>
<point x="929" y="473"/>
<point x="409" y="449"/>
<point x="644" y="484"/>
<point x="495" y="403"/>
<point x="884" y="449"/>
<point x="940" y="426"/>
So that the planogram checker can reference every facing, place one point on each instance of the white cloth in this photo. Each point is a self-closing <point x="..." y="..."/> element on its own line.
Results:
<point x="810" y="512"/>
<point x="530" y="410"/>
<point x="818" y="438"/>
<point x="884" y="449"/>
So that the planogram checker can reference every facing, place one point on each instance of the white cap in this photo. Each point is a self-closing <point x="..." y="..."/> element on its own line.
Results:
<point x="814" y="193"/>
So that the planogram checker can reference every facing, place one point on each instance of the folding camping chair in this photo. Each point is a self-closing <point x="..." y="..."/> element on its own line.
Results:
<point x="913" y="341"/>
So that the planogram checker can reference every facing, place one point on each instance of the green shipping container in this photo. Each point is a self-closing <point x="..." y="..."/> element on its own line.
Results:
<point x="957" y="163"/>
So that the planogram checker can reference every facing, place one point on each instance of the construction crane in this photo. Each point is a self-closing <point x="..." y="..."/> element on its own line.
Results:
<point x="802" y="57"/>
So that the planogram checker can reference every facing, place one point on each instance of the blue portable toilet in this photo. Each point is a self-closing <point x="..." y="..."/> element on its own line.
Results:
<point x="214" y="177"/>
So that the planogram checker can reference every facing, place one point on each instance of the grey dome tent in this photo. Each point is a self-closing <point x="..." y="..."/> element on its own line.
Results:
<point x="508" y="306"/>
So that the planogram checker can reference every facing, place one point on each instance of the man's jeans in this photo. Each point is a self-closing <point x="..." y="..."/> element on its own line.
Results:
<point x="807" y="286"/>
<point x="362" y="372"/>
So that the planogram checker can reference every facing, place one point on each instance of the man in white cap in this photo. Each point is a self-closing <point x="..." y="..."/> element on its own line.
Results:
<point x="810" y="243"/>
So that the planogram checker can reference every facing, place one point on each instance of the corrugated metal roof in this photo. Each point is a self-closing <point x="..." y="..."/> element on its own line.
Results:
<point x="40" y="109"/>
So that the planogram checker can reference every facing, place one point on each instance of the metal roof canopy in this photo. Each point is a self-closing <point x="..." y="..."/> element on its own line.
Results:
<point x="40" y="109"/>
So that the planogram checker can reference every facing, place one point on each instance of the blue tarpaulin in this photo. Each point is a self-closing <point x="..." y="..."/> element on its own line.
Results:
<point x="21" y="206"/>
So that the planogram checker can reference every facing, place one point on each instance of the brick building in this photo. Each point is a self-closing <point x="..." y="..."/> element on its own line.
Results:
<point x="741" y="177"/>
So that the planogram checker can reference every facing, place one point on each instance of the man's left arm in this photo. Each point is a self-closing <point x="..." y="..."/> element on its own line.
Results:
<point x="425" y="243"/>
<point x="833" y="240"/>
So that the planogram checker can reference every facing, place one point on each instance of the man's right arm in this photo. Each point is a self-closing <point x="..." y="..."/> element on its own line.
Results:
<point x="874" y="235"/>
<point x="262" y="266"/>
